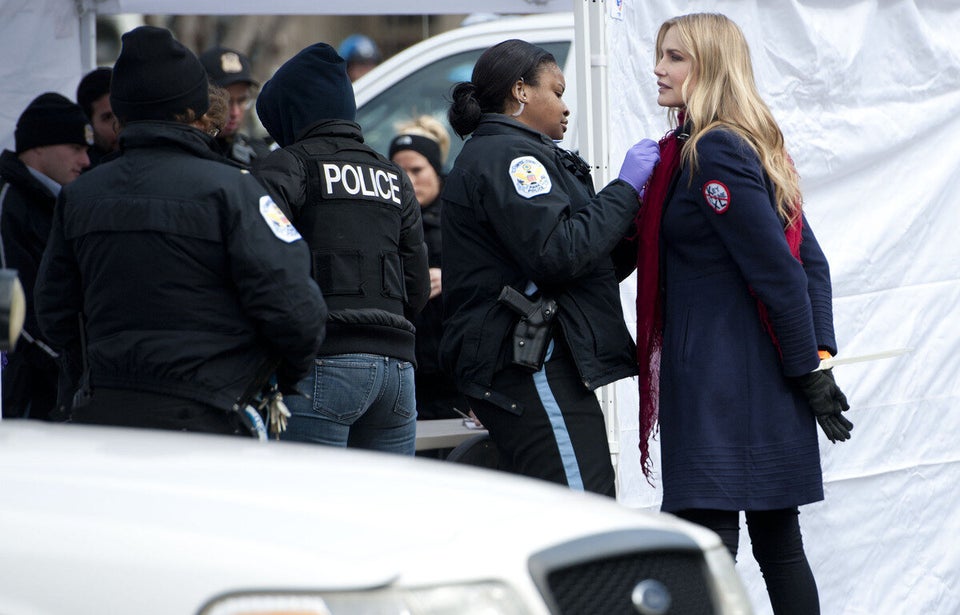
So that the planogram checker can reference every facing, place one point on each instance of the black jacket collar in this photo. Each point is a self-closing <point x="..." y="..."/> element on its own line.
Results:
<point x="332" y="128"/>
<point x="154" y="134"/>
<point x="498" y="124"/>
<point x="16" y="173"/>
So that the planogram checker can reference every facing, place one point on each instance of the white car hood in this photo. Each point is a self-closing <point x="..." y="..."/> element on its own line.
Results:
<point x="205" y="515"/>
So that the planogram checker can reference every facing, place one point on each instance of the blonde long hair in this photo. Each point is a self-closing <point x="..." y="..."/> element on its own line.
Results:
<point x="725" y="95"/>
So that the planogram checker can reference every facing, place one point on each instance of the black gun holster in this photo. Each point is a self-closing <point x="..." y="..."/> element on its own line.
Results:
<point x="531" y="334"/>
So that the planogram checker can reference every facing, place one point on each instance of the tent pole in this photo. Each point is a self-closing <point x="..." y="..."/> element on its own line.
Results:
<point x="591" y="48"/>
<point x="590" y="41"/>
<point x="87" y="12"/>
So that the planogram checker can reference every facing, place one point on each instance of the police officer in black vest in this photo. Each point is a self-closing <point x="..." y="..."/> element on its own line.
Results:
<point x="358" y="213"/>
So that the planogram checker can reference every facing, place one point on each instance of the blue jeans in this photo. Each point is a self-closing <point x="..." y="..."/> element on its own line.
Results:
<point x="356" y="400"/>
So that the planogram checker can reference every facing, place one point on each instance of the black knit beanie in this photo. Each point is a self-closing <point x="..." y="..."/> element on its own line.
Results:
<point x="94" y="84"/>
<point x="156" y="78"/>
<point x="425" y="146"/>
<point x="52" y="119"/>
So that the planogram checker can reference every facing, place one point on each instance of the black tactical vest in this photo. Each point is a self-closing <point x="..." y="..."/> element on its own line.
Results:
<point x="351" y="220"/>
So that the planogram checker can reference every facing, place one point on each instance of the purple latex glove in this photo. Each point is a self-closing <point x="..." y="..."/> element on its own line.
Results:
<point x="639" y="162"/>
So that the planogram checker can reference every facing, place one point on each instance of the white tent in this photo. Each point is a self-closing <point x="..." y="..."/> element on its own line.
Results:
<point x="868" y="94"/>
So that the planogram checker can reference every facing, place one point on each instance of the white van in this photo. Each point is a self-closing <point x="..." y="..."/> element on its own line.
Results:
<point x="419" y="80"/>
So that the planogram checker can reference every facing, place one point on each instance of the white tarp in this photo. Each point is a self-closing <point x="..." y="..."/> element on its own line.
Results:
<point x="868" y="96"/>
<point x="44" y="42"/>
<point x="40" y="51"/>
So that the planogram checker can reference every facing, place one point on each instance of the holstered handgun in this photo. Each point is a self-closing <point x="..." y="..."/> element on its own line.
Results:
<point x="531" y="334"/>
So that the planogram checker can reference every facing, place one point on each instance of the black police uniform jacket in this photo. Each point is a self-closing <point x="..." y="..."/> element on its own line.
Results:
<point x="242" y="149"/>
<point x="429" y="322"/>
<point x="189" y="277"/>
<point x="518" y="209"/>
<point x="27" y="207"/>
<point x="436" y="391"/>
<point x="358" y="213"/>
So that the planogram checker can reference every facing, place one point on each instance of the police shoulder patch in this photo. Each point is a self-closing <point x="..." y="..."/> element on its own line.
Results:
<point x="717" y="195"/>
<point x="277" y="221"/>
<point x="529" y="177"/>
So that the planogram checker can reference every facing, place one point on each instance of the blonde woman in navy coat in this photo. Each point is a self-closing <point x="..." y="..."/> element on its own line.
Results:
<point x="746" y="311"/>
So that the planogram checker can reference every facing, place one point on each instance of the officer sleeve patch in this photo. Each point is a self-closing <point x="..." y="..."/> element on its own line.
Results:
<point x="717" y="196"/>
<point x="529" y="177"/>
<point x="277" y="221"/>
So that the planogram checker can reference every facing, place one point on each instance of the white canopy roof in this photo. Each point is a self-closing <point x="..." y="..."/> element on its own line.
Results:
<point x="323" y="7"/>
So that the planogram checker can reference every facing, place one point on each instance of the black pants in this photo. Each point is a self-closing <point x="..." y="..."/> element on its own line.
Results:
<point x="127" y="408"/>
<point x="437" y="398"/>
<point x="28" y="391"/>
<point x="560" y="435"/>
<point x="778" y="549"/>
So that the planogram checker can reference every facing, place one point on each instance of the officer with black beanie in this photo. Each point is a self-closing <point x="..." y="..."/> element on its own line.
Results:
<point x="52" y="136"/>
<point x="192" y="286"/>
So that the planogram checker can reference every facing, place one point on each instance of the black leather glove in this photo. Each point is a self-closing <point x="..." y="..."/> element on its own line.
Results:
<point x="827" y="402"/>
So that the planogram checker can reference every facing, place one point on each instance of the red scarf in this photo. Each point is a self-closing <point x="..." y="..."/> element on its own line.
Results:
<point x="649" y="299"/>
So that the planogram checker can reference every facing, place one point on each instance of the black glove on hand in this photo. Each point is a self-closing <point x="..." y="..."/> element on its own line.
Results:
<point x="827" y="402"/>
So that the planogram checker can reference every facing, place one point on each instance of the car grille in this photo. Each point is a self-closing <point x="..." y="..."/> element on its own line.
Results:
<point x="597" y="575"/>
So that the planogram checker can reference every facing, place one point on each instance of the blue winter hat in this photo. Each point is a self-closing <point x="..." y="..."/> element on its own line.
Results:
<point x="359" y="48"/>
<point x="309" y="87"/>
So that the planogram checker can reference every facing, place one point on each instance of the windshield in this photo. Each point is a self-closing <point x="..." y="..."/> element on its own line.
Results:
<point x="426" y="92"/>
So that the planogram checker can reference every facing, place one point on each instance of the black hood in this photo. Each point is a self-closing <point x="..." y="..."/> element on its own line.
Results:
<point x="309" y="87"/>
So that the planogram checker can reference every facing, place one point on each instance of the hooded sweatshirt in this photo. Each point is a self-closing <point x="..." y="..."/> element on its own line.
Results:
<point x="354" y="207"/>
<point x="311" y="86"/>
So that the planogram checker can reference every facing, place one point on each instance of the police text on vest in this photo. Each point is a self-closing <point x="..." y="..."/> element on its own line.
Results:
<point x="360" y="180"/>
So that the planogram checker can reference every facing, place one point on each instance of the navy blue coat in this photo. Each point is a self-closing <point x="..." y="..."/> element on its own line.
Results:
<point x="735" y="434"/>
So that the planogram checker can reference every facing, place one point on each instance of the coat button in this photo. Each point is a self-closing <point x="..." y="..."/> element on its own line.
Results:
<point x="487" y="394"/>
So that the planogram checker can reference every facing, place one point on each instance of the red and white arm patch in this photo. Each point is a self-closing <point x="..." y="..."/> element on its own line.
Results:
<point x="717" y="196"/>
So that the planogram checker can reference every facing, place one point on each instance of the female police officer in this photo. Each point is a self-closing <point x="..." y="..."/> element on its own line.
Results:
<point x="521" y="220"/>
